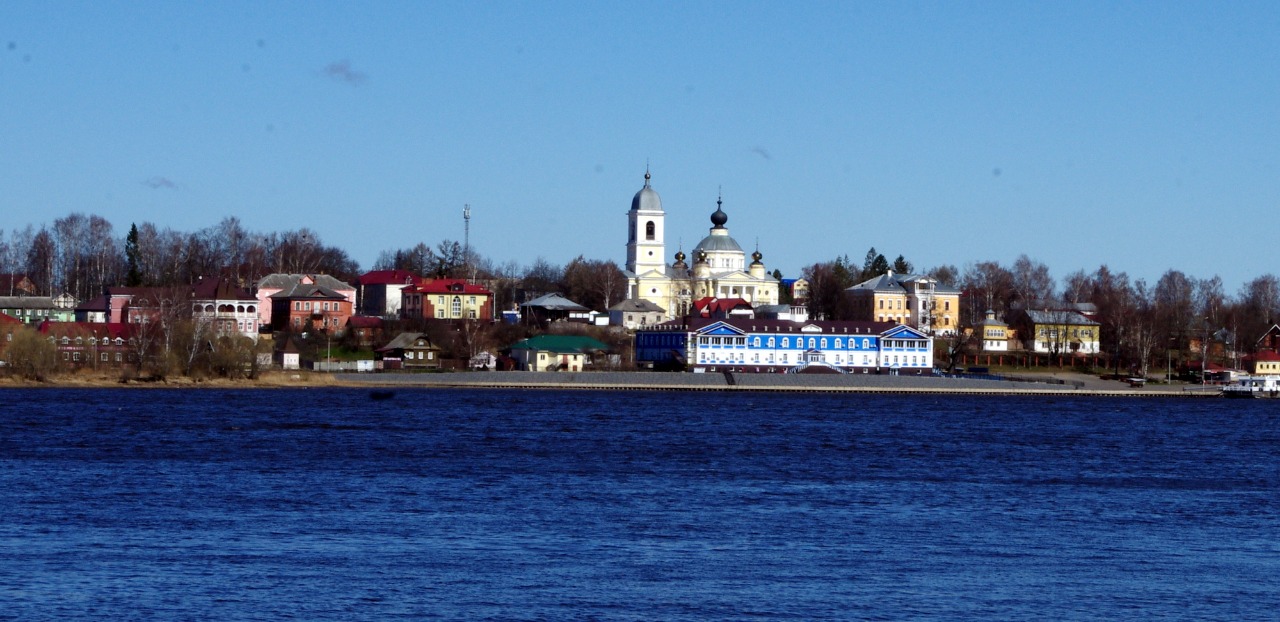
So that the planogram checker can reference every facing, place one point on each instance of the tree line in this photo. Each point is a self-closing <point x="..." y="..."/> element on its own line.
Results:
<point x="1140" y="320"/>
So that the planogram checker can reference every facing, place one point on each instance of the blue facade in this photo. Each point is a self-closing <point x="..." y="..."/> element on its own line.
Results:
<point x="775" y="346"/>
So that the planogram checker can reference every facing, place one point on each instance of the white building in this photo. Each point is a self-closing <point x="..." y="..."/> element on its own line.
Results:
<point x="719" y="266"/>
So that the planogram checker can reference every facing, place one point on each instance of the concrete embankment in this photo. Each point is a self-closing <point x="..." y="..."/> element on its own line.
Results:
<point x="652" y="381"/>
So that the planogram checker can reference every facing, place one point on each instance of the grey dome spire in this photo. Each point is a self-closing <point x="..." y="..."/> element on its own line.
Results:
<point x="647" y="198"/>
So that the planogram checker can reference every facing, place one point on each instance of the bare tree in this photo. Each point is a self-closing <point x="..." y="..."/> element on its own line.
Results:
<point x="1031" y="281"/>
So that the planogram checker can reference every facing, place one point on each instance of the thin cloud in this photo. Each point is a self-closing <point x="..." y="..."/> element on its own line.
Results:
<point x="760" y="151"/>
<point x="342" y="71"/>
<point x="160" y="183"/>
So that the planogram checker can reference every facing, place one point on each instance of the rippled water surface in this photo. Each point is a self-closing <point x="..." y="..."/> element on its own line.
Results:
<point x="545" y="505"/>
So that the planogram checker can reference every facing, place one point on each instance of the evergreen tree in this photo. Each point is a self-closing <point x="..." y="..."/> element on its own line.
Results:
<point x="134" y="276"/>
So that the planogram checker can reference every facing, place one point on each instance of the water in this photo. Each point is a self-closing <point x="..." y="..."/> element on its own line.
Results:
<point x="544" y="505"/>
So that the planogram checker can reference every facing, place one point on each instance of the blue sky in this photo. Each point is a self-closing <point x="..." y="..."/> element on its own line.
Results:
<point x="1139" y="135"/>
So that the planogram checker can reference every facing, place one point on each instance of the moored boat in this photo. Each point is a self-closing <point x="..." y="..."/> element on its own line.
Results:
<point x="1253" y="387"/>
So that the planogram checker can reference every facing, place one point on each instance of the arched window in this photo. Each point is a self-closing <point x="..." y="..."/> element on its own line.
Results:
<point x="457" y="306"/>
<point x="648" y="230"/>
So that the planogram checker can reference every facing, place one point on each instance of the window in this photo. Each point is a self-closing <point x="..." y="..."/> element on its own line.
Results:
<point x="649" y="230"/>
<point x="104" y="357"/>
<point x="457" y="306"/>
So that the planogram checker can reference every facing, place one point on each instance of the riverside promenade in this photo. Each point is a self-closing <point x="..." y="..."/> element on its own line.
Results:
<point x="1058" y="384"/>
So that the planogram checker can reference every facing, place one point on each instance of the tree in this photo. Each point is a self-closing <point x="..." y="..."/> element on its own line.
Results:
<point x="32" y="355"/>
<point x="1174" y="305"/>
<point x="945" y="274"/>
<point x="132" y="256"/>
<point x="902" y="266"/>
<point x="42" y="259"/>
<point x="1030" y="281"/>
<point x="989" y="286"/>
<point x="828" y="281"/>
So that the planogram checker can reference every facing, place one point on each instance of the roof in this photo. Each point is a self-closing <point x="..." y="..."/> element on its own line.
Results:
<point x="97" y="304"/>
<point x="561" y="344"/>
<point x="757" y="325"/>
<point x="405" y="341"/>
<point x="897" y="283"/>
<point x="638" y="305"/>
<point x="96" y="329"/>
<point x="717" y="242"/>
<point x="306" y="290"/>
<point x="218" y="288"/>
<point x="707" y="306"/>
<point x="5" y="318"/>
<point x="647" y="198"/>
<point x="1069" y="318"/>
<point x="554" y="302"/>
<point x="26" y="302"/>
<point x="447" y="286"/>
<point x="386" y="277"/>
<point x="1264" y="356"/>
<point x="285" y="281"/>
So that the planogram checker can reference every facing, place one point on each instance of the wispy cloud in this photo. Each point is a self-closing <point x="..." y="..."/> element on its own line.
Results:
<point x="342" y="71"/>
<point x="760" y="151"/>
<point x="160" y="183"/>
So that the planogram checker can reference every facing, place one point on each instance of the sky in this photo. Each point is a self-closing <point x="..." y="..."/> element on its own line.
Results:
<point x="1140" y="135"/>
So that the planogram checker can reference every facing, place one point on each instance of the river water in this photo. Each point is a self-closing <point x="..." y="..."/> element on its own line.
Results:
<point x="324" y="504"/>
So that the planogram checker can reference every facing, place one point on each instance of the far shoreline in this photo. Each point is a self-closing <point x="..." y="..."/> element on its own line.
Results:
<point x="1076" y="385"/>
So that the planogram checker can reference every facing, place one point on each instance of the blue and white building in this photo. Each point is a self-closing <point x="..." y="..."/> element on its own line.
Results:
<point x="773" y="346"/>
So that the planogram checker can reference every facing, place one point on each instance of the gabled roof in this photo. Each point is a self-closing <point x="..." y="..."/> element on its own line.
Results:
<point x="387" y="277"/>
<point x="405" y="341"/>
<point x="1263" y="356"/>
<point x="902" y="331"/>
<point x="305" y="290"/>
<point x="560" y="344"/>
<point x="554" y="302"/>
<point x="706" y="307"/>
<point x="5" y="318"/>
<point x="637" y="305"/>
<point x="721" y="328"/>
<point x="286" y="281"/>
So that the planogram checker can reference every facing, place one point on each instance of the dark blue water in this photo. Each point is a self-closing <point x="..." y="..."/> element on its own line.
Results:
<point x="537" y="505"/>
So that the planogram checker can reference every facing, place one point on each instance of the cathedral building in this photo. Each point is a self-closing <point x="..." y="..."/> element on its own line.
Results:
<point x="719" y="269"/>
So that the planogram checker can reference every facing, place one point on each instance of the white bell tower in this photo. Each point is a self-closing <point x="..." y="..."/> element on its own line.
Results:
<point x="646" y="249"/>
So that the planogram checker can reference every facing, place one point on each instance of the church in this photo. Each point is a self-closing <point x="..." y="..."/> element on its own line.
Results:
<point x="719" y="269"/>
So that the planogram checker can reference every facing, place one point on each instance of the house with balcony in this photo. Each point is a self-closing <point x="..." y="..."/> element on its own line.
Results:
<point x="227" y="308"/>
<point x="911" y="299"/>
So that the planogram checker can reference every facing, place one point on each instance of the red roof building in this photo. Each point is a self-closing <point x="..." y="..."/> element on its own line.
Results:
<point x="92" y="344"/>
<point x="378" y="292"/>
<point x="446" y="299"/>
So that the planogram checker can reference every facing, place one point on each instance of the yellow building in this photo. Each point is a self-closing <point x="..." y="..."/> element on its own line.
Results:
<point x="993" y="333"/>
<point x="914" y="300"/>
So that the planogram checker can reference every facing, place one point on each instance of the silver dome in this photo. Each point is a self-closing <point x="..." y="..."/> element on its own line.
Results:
<point x="647" y="199"/>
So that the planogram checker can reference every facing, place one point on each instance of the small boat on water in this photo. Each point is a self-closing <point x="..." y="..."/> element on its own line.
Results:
<point x="1253" y="387"/>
